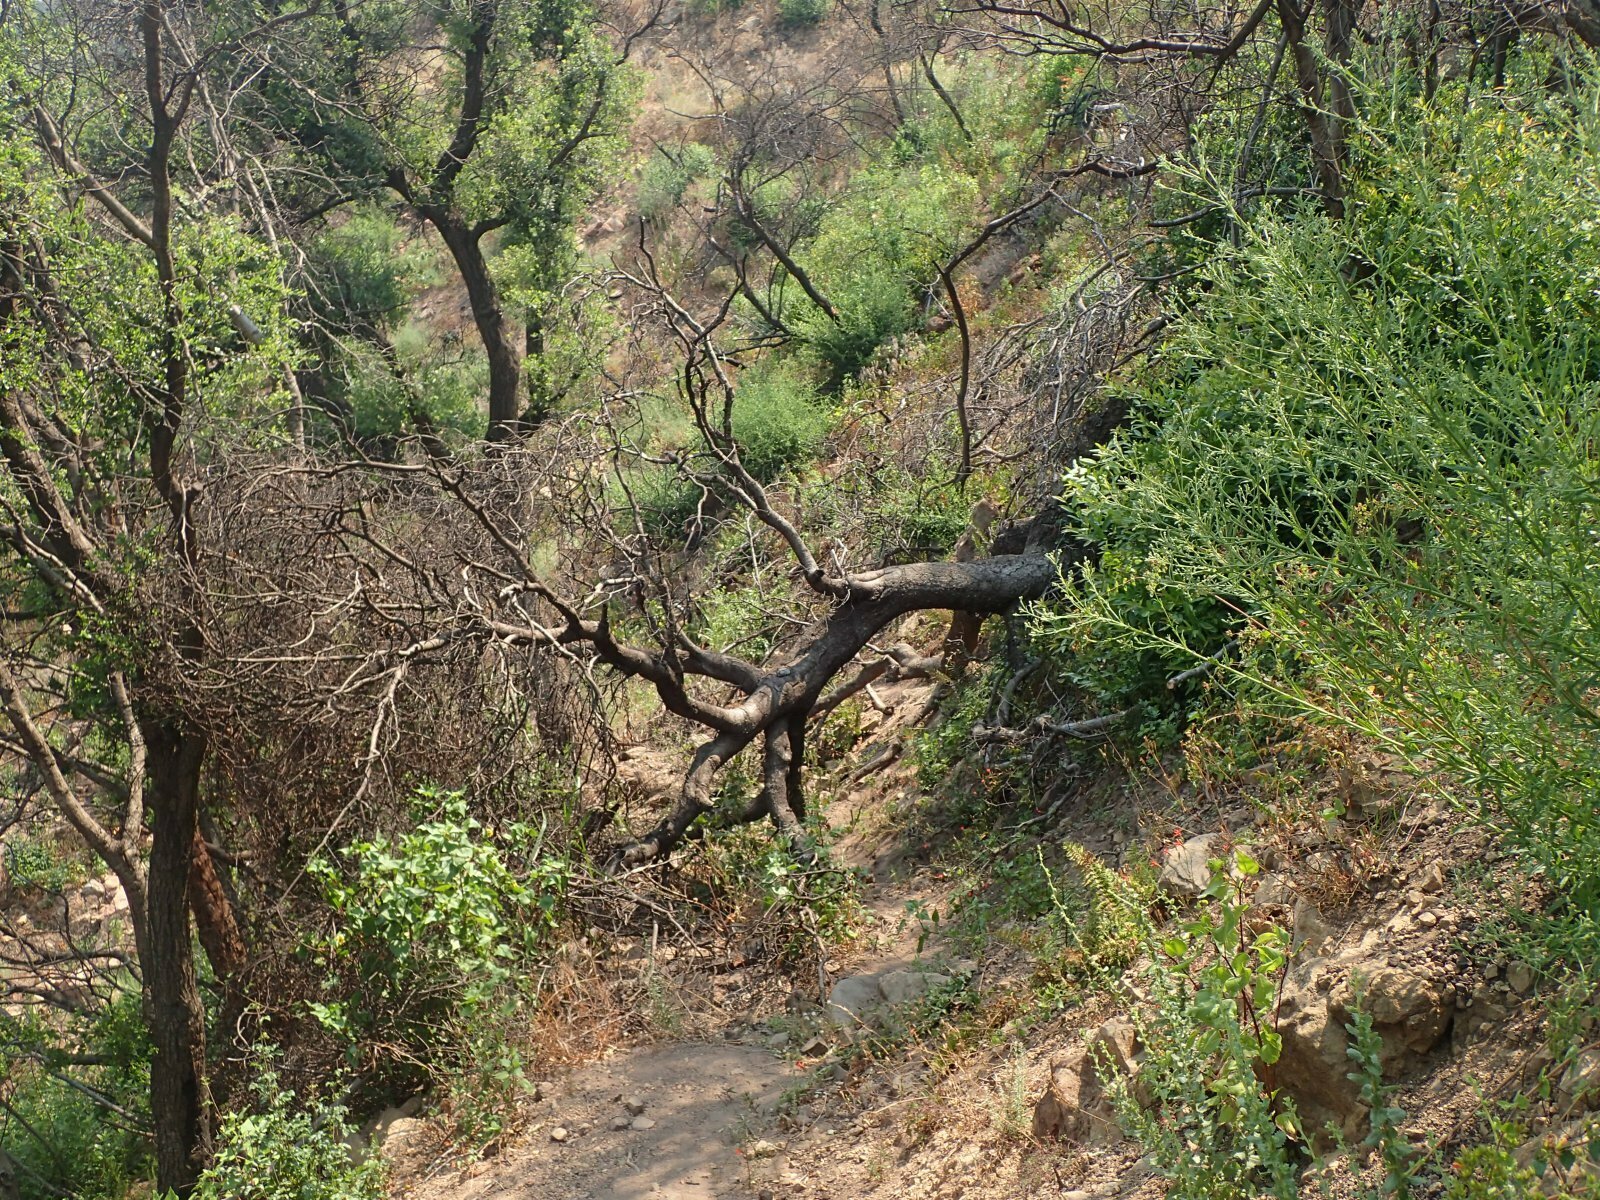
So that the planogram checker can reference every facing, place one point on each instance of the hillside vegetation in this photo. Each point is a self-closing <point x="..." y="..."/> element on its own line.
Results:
<point x="1032" y="569"/>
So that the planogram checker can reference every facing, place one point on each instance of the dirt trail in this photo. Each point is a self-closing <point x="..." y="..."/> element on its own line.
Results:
<point x="698" y="1099"/>
<point x="707" y="1102"/>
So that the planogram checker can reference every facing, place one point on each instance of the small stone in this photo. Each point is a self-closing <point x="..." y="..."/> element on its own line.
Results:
<point x="761" y="1149"/>
<point x="1580" y="1082"/>
<point x="640" y="1124"/>
<point x="1520" y="976"/>
<point x="559" y="1134"/>
<point x="1187" y="870"/>
<point x="1432" y="880"/>
<point x="618" y="1124"/>
<point x="907" y="987"/>
<point x="1427" y="919"/>
<point x="777" y="1041"/>
<point x="852" y="997"/>
<point x="634" y="1105"/>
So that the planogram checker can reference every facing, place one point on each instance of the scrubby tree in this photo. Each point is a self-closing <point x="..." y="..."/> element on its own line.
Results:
<point x="495" y="123"/>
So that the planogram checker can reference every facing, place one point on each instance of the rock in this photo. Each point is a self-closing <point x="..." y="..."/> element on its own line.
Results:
<point x="395" y="1132"/>
<point x="1520" y="976"/>
<point x="777" y="1041"/>
<point x="1311" y="932"/>
<point x="1187" y="869"/>
<point x="633" y="1105"/>
<point x="559" y="1134"/>
<point x="619" y="1123"/>
<point x="1075" y="1106"/>
<point x="1432" y="880"/>
<point x="1427" y="919"/>
<point x="401" y="1130"/>
<point x="1273" y="891"/>
<point x="1580" y="1082"/>
<point x="760" y="1148"/>
<point x="1568" y="1145"/>
<point x="907" y="987"/>
<point x="640" y="1124"/>
<point x="1406" y="1006"/>
<point x="1313" y="1066"/>
<point x="852" y="998"/>
<point x="1117" y="1041"/>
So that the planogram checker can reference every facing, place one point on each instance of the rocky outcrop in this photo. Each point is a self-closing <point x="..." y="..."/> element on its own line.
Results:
<point x="1186" y="871"/>
<point x="1075" y="1106"/>
<point x="1411" y="1012"/>
<point x="868" y="1000"/>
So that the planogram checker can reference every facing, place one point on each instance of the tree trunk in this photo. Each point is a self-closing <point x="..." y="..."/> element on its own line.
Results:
<point x="1324" y="128"/>
<point x="179" y="1098"/>
<point x="214" y="917"/>
<point x="501" y="345"/>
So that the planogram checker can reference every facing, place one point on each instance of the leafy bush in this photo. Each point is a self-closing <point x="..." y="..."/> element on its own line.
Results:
<point x="435" y="927"/>
<point x="803" y="12"/>
<point x="364" y="268"/>
<point x="667" y="176"/>
<point x="1202" y="1112"/>
<point x="668" y="503"/>
<point x="37" y="864"/>
<point x="63" y="1141"/>
<point x="778" y="419"/>
<point x="872" y="307"/>
<point x="882" y="240"/>
<point x="779" y="423"/>
<point x="1371" y="454"/>
<point x="286" y="1150"/>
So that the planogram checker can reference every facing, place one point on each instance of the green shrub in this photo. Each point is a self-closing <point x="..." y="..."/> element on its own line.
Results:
<point x="803" y="12"/>
<point x="63" y="1141"/>
<point x="922" y="517"/>
<point x="778" y="419"/>
<point x="875" y="246"/>
<point x="287" y="1150"/>
<point x="668" y="503"/>
<point x="666" y="177"/>
<point x="1370" y="454"/>
<point x="37" y="864"/>
<point x="779" y="423"/>
<point x="434" y="927"/>
<point x="1202" y="1112"/>
<point x="872" y="307"/>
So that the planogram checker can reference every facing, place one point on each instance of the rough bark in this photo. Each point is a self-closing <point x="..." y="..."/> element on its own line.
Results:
<point x="173" y="1010"/>
<point x="778" y="702"/>
<point x="501" y="344"/>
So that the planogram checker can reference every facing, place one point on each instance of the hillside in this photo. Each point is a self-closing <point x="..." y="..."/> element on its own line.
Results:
<point x="611" y="599"/>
